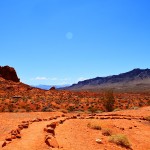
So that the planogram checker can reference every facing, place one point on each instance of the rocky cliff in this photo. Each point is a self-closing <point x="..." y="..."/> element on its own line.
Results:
<point x="9" y="73"/>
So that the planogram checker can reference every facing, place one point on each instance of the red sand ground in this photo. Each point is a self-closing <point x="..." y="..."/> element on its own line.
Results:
<point x="74" y="134"/>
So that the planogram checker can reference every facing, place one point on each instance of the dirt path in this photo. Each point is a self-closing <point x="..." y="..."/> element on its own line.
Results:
<point x="74" y="134"/>
<point x="32" y="138"/>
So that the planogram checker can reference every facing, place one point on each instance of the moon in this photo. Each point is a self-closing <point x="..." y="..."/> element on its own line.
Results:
<point x="69" y="35"/>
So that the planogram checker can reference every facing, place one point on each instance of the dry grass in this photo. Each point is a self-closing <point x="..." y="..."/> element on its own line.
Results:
<point x="94" y="124"/>
<point x="147" y="118"/>
<point x="106" y="132"/>
<point x="121" y="140"/>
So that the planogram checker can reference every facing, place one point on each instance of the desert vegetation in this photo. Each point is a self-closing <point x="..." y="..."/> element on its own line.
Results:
<point x="18" y="97"/>
<point x="109" y="100"/>
<point x="121" y="140"/>
<point x="94" y="124"/>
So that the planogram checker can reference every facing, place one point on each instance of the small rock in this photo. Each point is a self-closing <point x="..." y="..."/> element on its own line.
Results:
<point x="18" y="130"/>
<point x="18" y="136"/>
<point x="2" y="143"/>
<point x="48" y="136"/>
<point x="52" y="125"/>
<point x="20" y="127"/>
<point x="78" y="115"/>
<point x="74" y="117"/>
<point x="99" y="141"/>
<point x="45" y="119"/>
<point x="121" y="128"/>
<point x="25" y="122"/>
<point x="13" y="137"/>
<point x="25" y="125"/>
<point x="61" y="121"/>
<point x="13" y="132"/>
<point x="63" y="115"/>
<point x="52" y="142"/>
<point x="8" y="138"/>
<point x="49" y="130"/>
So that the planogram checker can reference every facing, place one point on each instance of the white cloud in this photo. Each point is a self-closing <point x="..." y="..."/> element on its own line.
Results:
<point x="57" y="80"/>
<point x="40" y="78"/>
<point x="65" y="79"/>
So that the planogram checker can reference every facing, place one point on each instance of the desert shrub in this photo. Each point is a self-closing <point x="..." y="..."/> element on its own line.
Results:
<point x="63" y="110"/>
<point x="99" y="111"/>
<point x="71" y="108"/>
<point x="47" y="109"/>
<point x="94" y="124"/>
<point x="106" y="132"/>
<point x="37" y="107"/>
<point x="147" y="118"/>
<point x="92" y="109"/>
<point x="148" y="102"/>
<point x="10" y="107"/>
<point x="109" y="100"/>
<point x="120" y="139"/>
<point x="27" y="108"/>
<point x="24" y="99"/>
<point x="117" y="109"/>
<point x="134" y="108"/>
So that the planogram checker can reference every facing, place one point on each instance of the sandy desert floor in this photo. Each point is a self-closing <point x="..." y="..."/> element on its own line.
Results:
<point x="74" y="134"/>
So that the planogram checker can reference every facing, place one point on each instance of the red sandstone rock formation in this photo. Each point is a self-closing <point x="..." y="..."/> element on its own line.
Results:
<point x="9" y="73"/>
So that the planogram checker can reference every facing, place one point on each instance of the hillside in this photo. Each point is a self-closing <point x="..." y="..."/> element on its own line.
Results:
<point x="19" y="97"/>
<point x="136" y="80"/>
<point x="35" y="113"/>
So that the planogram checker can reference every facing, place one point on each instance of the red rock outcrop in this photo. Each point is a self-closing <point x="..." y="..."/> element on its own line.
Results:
<point x="52" y="88"/>
<point x="9" y="73"/>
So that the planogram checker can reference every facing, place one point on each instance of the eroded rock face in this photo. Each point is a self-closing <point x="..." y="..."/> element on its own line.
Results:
<point x="9" y="73"/>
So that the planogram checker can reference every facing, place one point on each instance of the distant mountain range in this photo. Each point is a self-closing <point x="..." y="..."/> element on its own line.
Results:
<point x="47" y="87"/>
<point x="135" y="80"/>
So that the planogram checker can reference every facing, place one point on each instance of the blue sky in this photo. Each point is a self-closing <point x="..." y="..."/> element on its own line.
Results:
<point x="64" y="41"/>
